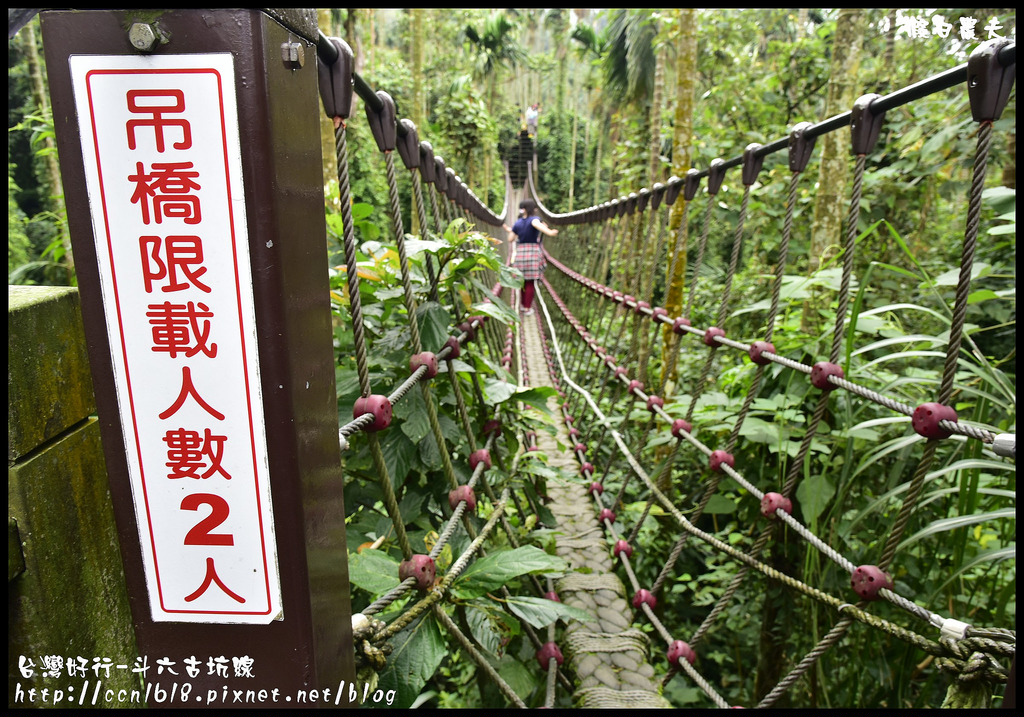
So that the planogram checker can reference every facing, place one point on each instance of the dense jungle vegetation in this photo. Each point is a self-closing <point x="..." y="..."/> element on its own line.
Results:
<point x="629" y="97"/>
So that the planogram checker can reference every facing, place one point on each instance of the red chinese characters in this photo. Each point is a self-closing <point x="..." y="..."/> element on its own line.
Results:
<point x="167" y="193"/>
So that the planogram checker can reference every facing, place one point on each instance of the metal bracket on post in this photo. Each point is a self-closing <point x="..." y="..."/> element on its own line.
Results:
<point x="864" y="125"/>
<point x="428" y="169"/>
<point x="988" y="81"/>
<point x="716" y="174"/>
<point x="383" y="123"/>
<point x="408" y="145"/>
<point x="440" y="175"/>
<point x="800" y="147"/>
<point x="642" y="197"/>
<point x="336" y="80"/>
<point x="657" y="193"/>
<point x="672" y="189"/>
<point x="631" y="202"/>
<point x="692" y="184"/>
<point x="752" y="164"/>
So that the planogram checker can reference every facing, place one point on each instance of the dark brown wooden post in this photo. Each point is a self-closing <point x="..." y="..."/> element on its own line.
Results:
<point x="190" y="153"/>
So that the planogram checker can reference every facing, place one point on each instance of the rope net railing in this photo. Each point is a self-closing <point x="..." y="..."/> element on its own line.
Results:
<point x="617" y="243"/>
<point x="453" y="421"/>
<point x="452" y="416"/>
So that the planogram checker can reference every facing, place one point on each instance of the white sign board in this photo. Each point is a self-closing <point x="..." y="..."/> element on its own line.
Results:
<point x="160" y="140"/>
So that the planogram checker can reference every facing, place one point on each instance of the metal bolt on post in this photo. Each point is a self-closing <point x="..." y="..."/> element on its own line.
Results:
<point x="143" y="37"/>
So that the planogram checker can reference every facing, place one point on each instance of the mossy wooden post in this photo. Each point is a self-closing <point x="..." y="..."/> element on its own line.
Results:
<point x="65" y="584"/>
<point x="191" y="161"/>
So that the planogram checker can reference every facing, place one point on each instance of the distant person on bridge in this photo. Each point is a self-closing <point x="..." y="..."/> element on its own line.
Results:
<point x="529" y="255"/>
<point x="532" y="114"/>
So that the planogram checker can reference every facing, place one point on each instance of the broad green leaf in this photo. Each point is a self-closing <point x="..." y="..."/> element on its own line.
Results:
<point x="760" y="431"/>
<point x="814" y="494"/>
<point x="491" y="309"/>
<point x="491" y="572"/>
<point x="951" y="277"/>
<point x="414" y="246"/>
<point x="537" y="397"/>
<point x="433" y="320"/>
<point x="510" y="277"/>
<point x="374" y="571"/>
<point x="413" y="412"/>
<point x="1004" y="229"/>
<point x="361" y="211"/>
<point x="976" y="297"/>
<point x="992" y="556"/>
<point x="518" y="676"/>
<point x="498" y="391"/>
<point x="720" y="505"/>
<point x="417" y="652"/>
<point x="399" y="453"/>
<point x="482" y="629"/>
<point x="541" y="612"/>
<point x="959" y="521"/>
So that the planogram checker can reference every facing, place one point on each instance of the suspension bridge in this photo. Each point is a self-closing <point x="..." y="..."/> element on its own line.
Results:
<point x="601" y="436"/>
<point x="611" y="662"/>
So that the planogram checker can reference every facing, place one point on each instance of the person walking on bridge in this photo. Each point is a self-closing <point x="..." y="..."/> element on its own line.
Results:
<point x="529" y="254"/>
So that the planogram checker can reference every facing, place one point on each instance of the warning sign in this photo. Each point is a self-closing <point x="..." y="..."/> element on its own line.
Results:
<point x="160" y="141"/>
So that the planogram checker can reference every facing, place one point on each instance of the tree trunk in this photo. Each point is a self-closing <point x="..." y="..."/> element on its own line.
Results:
<point x="830" y="202"/>
<point x="52" y="180"/>
<point x="654" y="121"/>
<point x="352" y="38"/>
<point x="682" y="152"/>
<point x="597" y="164"/>
<point x="417" y="17"/>
<point x="572" y="158"/>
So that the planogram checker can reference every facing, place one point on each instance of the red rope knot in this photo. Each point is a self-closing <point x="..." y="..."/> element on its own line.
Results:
<point x="721" y="457"/>
<point x="377" y="405"/>
<point x="655" y="401"/>
<point x="644" y="596"/>
<point x="680" y="650"/>
<point x="420" y="567"/>
<point x="621" y="546"/>
<point x="606" y="514"/>
<point x="640" y="306"/>
<point x="635" y="386"/>
<point x="627" y="300"/>
<point x="546" y="652"/>
<point x="424" y="359"/>
<point x="757" y="349"/>
<point x="462" y="493"/>
<point x="553" y="596"/>
<point x="587" y="468"/>
<point x="454" y="347"/>
<point x="820" y="373"/>
<point x="467" y="328"/>
<point x="927" y="417"/>
<point x="620" y="371"/>
<point x="595" y="488"/>
<point x="679" y="323"/>
<point x="679" y="426"/>
<point x="658" y="311"/>
<point x="580" y="448"/>
<point x="710" y="334"/>
<point x="773" y="502"/>
<point x="480" y="456"/>
<point x="617" y="296"/>
<point x="569" y="419"/>
<point x="867" y="580"/>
